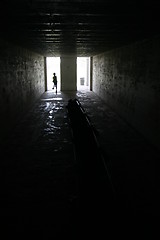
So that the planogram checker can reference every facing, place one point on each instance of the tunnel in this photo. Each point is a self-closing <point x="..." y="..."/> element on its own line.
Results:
<point x="80" y="163"/>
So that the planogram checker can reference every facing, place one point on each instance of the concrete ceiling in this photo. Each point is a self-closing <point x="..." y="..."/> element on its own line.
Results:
<point x="84" y="28"/>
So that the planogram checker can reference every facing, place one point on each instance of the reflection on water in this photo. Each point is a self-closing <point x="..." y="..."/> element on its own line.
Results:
<point x="57" y="108"/>
<point x="51" y="99"/>
<point x="47" y="105"/>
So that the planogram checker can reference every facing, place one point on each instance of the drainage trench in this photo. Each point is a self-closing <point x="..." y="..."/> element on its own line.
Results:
<point x="95" y="188"/>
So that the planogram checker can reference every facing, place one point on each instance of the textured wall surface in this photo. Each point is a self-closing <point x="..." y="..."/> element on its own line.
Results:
<point x="21" y="83"/>
<point x="68" y="73"/>
<point x="128" y="79"/>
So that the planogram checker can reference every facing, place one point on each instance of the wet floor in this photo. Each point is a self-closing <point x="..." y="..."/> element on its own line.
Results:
<point x="40" y="194"/>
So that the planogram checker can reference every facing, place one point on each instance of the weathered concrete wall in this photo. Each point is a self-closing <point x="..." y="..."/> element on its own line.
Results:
<point x="21" y="83"/>
<point x="128" y="79"/>
<point x="68" y="73"/>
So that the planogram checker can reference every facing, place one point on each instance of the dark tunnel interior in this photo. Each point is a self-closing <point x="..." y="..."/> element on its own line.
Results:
<point x="80" y="163"/>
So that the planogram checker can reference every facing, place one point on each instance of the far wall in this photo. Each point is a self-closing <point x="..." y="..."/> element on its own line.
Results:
<point x="128" y="79"/>
<point x="68" y="73"/>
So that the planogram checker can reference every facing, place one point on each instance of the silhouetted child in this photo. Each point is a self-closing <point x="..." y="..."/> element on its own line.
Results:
<point x="55" y="81"/>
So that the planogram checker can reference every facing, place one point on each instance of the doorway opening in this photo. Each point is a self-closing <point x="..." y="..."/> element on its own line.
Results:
<point x="83" y="73"/>
<point x="53" y="66"/>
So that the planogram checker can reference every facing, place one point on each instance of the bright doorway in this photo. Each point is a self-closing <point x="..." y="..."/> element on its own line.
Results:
<point x="83" y="73"/>
<point x="53" y="66"/>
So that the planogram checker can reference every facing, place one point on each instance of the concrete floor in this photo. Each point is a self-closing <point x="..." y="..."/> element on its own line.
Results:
<point x="40" y="179"/>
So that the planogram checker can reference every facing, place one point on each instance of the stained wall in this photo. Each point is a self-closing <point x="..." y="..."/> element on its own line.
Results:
<point x="128" y="79"/>
<point x="21" y="83"/>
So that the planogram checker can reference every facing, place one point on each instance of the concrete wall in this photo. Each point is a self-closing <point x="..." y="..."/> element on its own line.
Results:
<point x="128" y="79"/>
<point x="68" y="73"/>
<point x="21" y="83"/>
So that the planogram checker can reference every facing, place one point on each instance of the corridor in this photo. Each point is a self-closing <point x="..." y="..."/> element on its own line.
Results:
<point x="56" y="183"/>
<point x="40" y="179"/>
